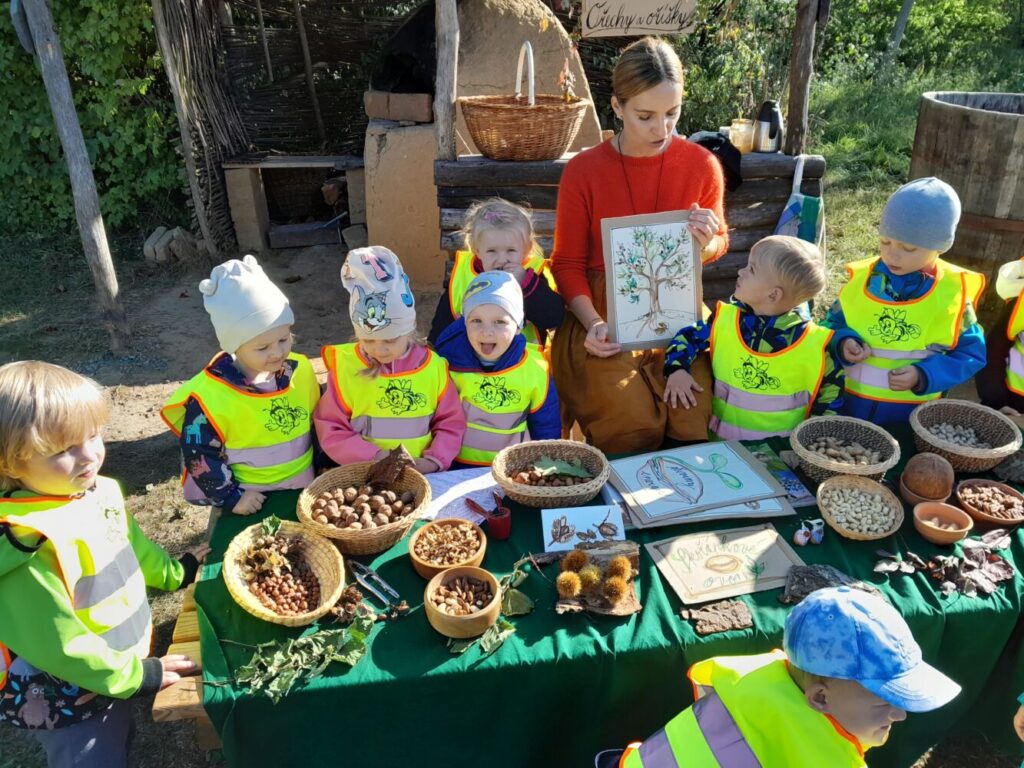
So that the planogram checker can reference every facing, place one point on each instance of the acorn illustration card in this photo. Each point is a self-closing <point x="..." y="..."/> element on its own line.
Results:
<point x="566" y="529"/>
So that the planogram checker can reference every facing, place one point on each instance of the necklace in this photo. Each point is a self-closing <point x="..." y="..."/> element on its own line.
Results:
<point x="661" y="168"/>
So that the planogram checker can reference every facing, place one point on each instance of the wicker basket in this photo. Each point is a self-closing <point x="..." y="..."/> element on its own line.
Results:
<point x="323" y="558"/>
<point x="517" y="458"/>
<point x="522" y="128"/>
<point x="373" y="540"/>
<point x="850" y="430"/>
<point x="989" y="425"/>
<point x="860" y="484"/>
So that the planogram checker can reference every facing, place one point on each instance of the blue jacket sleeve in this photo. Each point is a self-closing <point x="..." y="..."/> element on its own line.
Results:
<point x="546" y="423"/>
<point x="940" y="373"/>
<point x="836" y="320"/>
<point x="687" y="344"/>
<point x="205" y="461"/>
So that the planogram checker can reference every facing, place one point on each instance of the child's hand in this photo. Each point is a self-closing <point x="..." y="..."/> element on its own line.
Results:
<point x="250" y="503"/>
<point x="176" y="666"/>
<point x="854" y="351"/>
<point x="904" y="379"/>
<point x="1018" y="722"/>
<point x="679" y="389"/>
<point x="424" y="466"/>
<point x="199" y="551"/>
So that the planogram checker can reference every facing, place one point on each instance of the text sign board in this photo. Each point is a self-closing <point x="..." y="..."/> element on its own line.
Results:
<point x="625" y="18"/>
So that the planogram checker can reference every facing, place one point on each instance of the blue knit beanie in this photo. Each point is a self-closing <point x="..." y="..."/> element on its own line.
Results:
<point x="923" y="213"/>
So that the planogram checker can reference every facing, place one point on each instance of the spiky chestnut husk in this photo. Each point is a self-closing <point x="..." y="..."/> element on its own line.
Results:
<point x="614" y="590"/>
<point x="590" y="577"/>
<point x="575" y="560"/>
<point x="568" y="584"/>
<point x="619" y="567"/>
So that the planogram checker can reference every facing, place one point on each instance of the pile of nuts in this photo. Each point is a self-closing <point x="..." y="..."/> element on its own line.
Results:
<point x="362" y="507"/>
<point x="936" y="522"/>
<point x="536" y="477"/>
<point x="462" y="596"/>
<point x="447" y="544"/>
<point x="859" y="511"/>
<point x="843" y="452"/>
<point x="958" y="435"/>
<point x="992" y="501"/>
<point x="279" y="575"/>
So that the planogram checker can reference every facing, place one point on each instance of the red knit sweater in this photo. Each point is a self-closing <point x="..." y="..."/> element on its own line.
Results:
<point x="593" y="188"/>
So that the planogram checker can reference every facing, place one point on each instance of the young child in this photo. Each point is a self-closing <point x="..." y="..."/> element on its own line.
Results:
<point x="244" y="421"/>
<point x="849" y="670"/>
<point x="904" y="323"/>
<point x="75" y="626"/>
<point x="504" y="383"/>
<point x="499" y="237"/>
<point x="770" y="362"/>
<point x="388" y="388"/>
<point x="1001" y="383"/>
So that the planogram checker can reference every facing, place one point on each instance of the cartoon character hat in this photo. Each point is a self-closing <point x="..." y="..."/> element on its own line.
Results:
<point x="923" y="212"/>
<point x="243" y="302"/>
<point x="498" y="288"/>
<point x="381" y="305"/>
<point x="849" y="634"/>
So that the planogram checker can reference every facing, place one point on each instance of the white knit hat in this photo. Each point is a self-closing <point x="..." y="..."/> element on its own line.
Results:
<point x="243" y="302"/>
<point x="498" y="288"/>
<point x="381" y="305"/>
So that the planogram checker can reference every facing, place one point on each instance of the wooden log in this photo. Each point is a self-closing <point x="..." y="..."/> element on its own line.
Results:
<point x="454" y="218"/>
<point x="446" y="20"/>
<point x="538" y="198"/>
<point x="454" y="241"/>
<point x="83" y="184"/>
<point x="181" y="701"/>
<point x="801" y="68"/>
<point x="308" y="63"/>
<point x="335" y="162"/>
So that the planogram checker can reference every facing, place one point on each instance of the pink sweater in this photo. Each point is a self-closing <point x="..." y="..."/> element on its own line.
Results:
<point x="344" y="445"/>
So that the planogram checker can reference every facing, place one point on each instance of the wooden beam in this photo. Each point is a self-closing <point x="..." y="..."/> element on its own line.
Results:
<point x="181" y="701"/>
<point x="801" y="67"/>
<point x="446" y="18"/>
<point x="543" y="198"/>
<point x="335" y="162"/>
<point x="83" y="184"/>
<point x="308" y="63"/>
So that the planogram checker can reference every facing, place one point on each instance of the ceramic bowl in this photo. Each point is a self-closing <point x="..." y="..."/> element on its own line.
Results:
<point x="926" y="512"/>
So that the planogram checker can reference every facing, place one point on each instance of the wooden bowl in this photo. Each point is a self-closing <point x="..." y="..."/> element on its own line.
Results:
<point x="461" y="627"/>
<point x="912" y="498"/>
<point x="515" y="458"/>
<point x="986" y="517"/>
<point x="848" y="429"/>
<point x="989" y="425"/>
<point x="429" y="570"/>
<point x="947" y="513"/>
<point x="860" y="484"/>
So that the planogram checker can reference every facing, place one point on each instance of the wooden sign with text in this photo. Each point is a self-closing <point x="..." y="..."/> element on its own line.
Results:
<point x="624" y="18"/>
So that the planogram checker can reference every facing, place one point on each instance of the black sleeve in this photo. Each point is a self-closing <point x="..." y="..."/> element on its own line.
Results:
<point x="442" y="315"/>
<point x="541" y="305"/>
<point x="991" y="380"/>
<point x="152" y="676"/>
<point x="191" y="565"/>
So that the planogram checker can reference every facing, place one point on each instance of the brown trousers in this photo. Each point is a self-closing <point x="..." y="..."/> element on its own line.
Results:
<point x="617" y="400"/>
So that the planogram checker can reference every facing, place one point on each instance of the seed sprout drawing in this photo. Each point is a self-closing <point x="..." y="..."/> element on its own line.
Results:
<point x="682" y="476"/>
<point x="651" y="263"/>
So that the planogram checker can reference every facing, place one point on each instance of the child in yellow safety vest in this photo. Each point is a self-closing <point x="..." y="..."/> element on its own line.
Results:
<point x="504" y="382"/>
<point x="75" y="628"/>
<point x="244" y="422"/>
<point x="1001" y="384"/>
<point x="770" y="362"/>
<point x="499" y="237"/>
<point x="905" y="326"/>
<point x="850" y="669"/>
<point x="388" y="388"/>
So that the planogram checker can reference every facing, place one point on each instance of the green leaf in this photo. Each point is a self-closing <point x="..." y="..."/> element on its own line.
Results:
<point x="515" y="603"/>
<point x="271" y="525"/>
<point x="492" y="639"/>
<point x="461" y="646"/>
<point x="548" y="466"/>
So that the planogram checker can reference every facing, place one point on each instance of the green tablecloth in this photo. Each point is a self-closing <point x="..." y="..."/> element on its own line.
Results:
<point x="564" y="687"/>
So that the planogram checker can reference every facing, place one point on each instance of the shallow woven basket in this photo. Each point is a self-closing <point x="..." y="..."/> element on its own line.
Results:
<point x="323" y="558"/>
<point x="374" y="540"/>
<point x="861" y="484"/>
<point x="508" y="128"/>
<point x="516" y="458"/>
<point x="850" y="430"/>
<point x="989" y="425"/>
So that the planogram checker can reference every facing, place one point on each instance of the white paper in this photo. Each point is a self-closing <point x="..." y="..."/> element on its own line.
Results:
<point x="583" y="524"/>
<point x="451" y="489"/>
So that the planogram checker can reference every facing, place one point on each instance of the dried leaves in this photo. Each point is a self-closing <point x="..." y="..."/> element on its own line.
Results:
<point x="979" y="571"/>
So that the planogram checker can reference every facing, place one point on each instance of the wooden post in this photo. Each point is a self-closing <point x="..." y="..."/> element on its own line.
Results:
<point x="263" y="40"/>
<point x="83" y="185"/>
<point x="309" y="73"/>
<point x="447" y="21"/>
<point x="801" y="67"/>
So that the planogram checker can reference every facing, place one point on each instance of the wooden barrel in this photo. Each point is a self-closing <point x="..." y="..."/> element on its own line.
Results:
<point x="975" y="142"/>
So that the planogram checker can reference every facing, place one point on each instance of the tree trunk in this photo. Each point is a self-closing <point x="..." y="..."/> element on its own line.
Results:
<point x="447" y="22"/>
<point x="83" y="185"/>
<point x="801" y="67"/>
<point x="897" y="34"/>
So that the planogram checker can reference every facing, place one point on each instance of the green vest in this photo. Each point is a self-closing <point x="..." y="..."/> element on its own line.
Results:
<point x="497" y="405"/>
<point x="758" y="395"/>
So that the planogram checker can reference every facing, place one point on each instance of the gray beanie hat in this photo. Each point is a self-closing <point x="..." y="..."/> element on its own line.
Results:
<point x="498" y="288"/>
<point x="923" y="213"/>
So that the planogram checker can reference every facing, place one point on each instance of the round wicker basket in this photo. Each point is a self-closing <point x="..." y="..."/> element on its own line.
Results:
<point x="517" y="458"/>
<point x="509" y="128"/>
<point x="323" y="558"/>
<point x="989" y="425"/>
<point x="860" y="484"/>
<point x="369" y="541"/>
<point x="848" y="429"/>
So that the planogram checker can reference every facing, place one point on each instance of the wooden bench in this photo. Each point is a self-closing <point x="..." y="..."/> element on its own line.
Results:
<point x="752" y="210"/>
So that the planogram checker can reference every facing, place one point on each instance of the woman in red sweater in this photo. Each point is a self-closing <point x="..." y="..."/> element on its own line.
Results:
<point x="616" y="396"/>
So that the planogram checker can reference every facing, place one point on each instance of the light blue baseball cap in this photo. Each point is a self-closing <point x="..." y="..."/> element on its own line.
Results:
<point x="849" y="634"/>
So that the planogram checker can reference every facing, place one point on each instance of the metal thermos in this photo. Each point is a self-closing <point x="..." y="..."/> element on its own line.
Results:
<point x="769" y="128"/>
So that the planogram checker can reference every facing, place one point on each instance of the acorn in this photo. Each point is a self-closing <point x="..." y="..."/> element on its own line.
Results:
<point x="575" y="560"/>
<point x="614" y="590"/>
<point x="590" y="577"/>
<point x="568" y="584"/>
<point x="619" y="567"/>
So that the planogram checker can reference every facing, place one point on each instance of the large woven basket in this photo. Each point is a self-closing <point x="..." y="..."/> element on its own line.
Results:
<point x="323" y="558"/>
<point x="850" y="430"/>
<point x="516" y="458"/>
<point x="860" y="484"/>
<point x="989" y="425"/>
<point x="374" y="540"/>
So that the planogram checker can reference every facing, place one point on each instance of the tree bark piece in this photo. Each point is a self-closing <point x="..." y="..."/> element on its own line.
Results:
<point x="447" y="23"/>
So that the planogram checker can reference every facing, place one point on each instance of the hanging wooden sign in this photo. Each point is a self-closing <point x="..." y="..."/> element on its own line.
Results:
<point x="625" y="18"/>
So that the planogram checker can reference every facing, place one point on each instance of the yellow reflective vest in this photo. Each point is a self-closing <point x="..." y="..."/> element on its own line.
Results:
<point x="1015" y="359"/>
<point x="762" y="394"/>
<point x="904" y="332"/>
<point x="497" y="405"/>
<point x="463" y="274"/>
<point x="389" y="409"/>
<point x="748" y="713"/>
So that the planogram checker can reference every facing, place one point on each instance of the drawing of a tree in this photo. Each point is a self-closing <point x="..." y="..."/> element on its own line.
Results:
<point x="647" y="265"/>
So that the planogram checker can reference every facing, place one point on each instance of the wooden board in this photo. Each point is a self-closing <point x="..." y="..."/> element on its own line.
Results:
<point x="181" y="701"/>
<point x="186" y="629"/>
<point x="188" y="602"/>
<point x="337" y="162"/>
<point x="189" y="648"/>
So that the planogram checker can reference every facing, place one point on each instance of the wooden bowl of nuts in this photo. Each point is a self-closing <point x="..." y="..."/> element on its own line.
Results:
<point x="828" y="446"/>
<point x="971" y="436"/>
<point x="447" y="543"/>
<point x="941" y="523"/>
<point x="462" y="602"/>
<point x="990" y="502"/>
<point x="859" y="508"/>
<point x="547" y="474"/>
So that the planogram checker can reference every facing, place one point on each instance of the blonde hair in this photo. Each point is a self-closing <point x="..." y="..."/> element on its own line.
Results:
<point x="44" y="408"/>
<point x="496" y="213"/>
<point x="372" y="369"/>
<point x="648" y="62"/>
<point x="797" y="264"/>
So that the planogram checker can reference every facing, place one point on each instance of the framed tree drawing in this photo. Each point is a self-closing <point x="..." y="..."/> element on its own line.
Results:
<point x="653" y="270"/>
